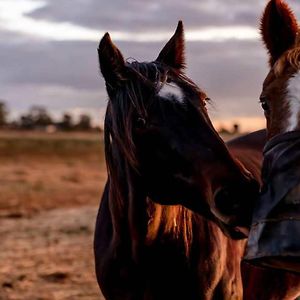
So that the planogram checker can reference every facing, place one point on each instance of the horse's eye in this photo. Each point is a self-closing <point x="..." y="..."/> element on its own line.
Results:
<point x="141" y="123"/>
<point x="265" y="106"/>
<point x="264" y="103"/>
<point x="207" y="99"/>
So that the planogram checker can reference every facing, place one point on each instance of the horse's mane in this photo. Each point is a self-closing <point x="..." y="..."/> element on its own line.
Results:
<point x="291" y="58"/>
<point x="122" y="165"/>
<point x="176" y="221"/>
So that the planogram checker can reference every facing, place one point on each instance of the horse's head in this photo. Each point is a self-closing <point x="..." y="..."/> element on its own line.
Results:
<point x="157" y="119"/>
<point x="281" y="90"/>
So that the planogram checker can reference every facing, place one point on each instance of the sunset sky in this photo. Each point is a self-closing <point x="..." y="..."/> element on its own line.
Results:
<point x="48" y="51"/>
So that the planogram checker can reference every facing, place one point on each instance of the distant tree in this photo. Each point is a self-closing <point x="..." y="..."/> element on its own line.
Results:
<point x="40" y="116"/>
<point x="3" y="114"/>
<point x="223" y="130"/>
<point x="37" y="117"/>
<point x="67" y="122"/>
<point x="14" y="124"/>
<point x="26" y="122"/>
<point x="84" y="123"/>
<point x="98" y="128"/>
<point x="236" y="128"/>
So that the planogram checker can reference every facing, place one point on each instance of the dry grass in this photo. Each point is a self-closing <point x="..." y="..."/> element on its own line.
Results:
<point x="49" y="172"/>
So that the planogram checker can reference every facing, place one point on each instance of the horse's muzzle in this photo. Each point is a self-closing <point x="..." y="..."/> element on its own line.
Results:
<point x="234" y="207"/>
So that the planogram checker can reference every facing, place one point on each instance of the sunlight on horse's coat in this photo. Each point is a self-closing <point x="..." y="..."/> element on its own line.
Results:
<point x="293" y="97"/>
<point x="175" y="221"/>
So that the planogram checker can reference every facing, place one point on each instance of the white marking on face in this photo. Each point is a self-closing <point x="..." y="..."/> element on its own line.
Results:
<point x="293" y="97"/>
<point x="171" y="89"/>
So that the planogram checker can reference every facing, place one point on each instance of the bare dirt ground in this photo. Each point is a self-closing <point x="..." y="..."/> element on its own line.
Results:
<point x="50" y="187"/>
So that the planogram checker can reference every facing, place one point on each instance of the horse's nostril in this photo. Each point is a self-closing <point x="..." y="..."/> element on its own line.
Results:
<point x="225" y="202"/>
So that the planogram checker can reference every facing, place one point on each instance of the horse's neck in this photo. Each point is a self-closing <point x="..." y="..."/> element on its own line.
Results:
<point x="150" y="224"/>
<point x="186" y="230"/>
<point x="178" y="240"/>
<point x="174" y="222"/>
<point x="138" y="224"/>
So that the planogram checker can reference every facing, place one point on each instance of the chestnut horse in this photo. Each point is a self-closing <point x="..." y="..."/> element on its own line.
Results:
<point x="161" y="148"/>
<point x="280" y="99"/>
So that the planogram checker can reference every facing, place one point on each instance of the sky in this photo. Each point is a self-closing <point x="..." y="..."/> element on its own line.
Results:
<point x="48" y="51"/>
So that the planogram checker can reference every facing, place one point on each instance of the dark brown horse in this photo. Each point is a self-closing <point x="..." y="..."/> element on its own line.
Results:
<point x="162" y="148"/>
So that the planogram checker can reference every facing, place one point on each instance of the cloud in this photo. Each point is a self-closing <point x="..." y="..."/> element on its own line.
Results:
<point x="53" y="63"/>
<point x="149" y="15"/>
<point x="15" y="16"/>
<point x="64" y="75"/>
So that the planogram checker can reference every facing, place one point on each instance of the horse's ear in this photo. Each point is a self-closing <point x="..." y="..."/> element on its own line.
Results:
<point x="278" y="29"/>
<point x="111" y="60"/>
<point x="173" y="52"/>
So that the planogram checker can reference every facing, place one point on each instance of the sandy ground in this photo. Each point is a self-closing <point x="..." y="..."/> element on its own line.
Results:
<point x="49" y="256"/>
<point x="49" y="194"/>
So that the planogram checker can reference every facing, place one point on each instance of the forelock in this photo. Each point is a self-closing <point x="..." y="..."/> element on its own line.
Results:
<point x="289" y="58"/>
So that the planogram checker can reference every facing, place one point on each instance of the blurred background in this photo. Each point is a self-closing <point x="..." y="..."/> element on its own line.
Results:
<point x="52" y="103"/>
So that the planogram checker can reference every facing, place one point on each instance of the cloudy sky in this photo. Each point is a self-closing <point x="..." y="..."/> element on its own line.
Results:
<point x="48" y="51"/>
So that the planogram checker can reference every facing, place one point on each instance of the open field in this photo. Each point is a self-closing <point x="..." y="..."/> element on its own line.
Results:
<point x="50" y="188"/>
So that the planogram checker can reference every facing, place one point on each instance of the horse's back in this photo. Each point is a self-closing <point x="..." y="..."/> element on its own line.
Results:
<point x="255" y="141"/>
<point x="248" y="149"/>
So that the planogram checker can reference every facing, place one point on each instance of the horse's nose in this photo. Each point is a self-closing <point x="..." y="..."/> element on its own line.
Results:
<point x="235" y="204"/>
<point x="228" y="209"/>
<point x="225" y="202"/>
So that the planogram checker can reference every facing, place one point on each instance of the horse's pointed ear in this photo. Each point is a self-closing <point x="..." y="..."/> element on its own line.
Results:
<point x="278" y="29"/>
<point x="173" y="52"/>
<point x="111" y="60"/>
